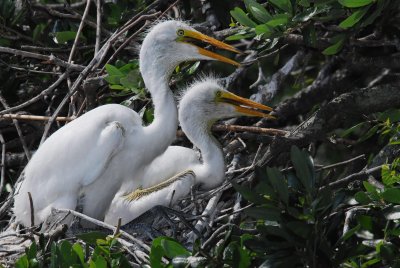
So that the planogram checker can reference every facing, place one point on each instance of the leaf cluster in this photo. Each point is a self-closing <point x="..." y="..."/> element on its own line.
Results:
<point x="93" y="250"/>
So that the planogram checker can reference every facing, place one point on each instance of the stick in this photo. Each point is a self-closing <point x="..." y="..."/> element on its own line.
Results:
<point x="34" y="117"/>
<point x="32" y="209"/>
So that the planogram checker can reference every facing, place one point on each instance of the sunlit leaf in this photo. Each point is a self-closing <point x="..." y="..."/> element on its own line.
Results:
<point x="336" y="47"/>
<point x="258" y="11"/>
<point x="391" y="195"/>
<point x="354" y="18"/>
<point x="240" y="16"/>
<point x="355" y="3"/>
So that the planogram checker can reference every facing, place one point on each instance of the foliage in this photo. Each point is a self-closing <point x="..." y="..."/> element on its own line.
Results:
<point x="96" y="250"/>
<point x="278" y="18"/>
<point x="298" y="225"/>
<point x="386" y="124"/>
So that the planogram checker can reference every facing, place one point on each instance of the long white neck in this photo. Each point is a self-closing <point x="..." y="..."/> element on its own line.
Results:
<point x="211" y="173"/>
<point x="162" y="131"/>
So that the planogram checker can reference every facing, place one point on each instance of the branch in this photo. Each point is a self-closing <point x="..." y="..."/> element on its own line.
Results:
<point x="49" y="59"/>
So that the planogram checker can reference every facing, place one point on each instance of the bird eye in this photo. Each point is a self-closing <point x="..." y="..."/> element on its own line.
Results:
<point x="218" y="94"/>
<point x="180" y="32"/>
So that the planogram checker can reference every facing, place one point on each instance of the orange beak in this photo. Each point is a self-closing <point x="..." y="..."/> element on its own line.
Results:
<point x="245" y="106"/>
<point x="212" y="41"/>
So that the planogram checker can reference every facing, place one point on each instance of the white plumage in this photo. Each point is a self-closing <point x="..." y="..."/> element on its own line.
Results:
<point x="93" y="155"/>
<point x="202" y="104"/>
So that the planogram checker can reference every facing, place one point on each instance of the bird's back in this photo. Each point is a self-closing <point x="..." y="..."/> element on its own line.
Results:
<point x="74" y="156"/>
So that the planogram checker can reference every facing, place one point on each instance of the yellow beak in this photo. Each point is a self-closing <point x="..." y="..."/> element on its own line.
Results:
<point x="214" y="42"/>
<point x="245" y="106"/>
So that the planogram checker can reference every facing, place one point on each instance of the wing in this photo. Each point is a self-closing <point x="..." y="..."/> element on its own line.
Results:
<point x="74" y="156"/>
<point x="166" y="193"/>
<point x="172" y="162"/>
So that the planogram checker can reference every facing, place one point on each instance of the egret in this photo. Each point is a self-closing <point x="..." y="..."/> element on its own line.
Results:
<point x="178" y="168"/>
<point x="88" y="159"/>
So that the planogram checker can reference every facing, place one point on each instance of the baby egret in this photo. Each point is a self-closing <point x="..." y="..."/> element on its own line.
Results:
<point x="178" y="168"/>
<point x="89" y="158"/>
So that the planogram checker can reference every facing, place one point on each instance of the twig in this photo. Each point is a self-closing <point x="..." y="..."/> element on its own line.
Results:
<point x="37" y="97"/>
<point x="104" y="225"/>
<point x="342" y="163"/>
<point x="97" y="58"/>
<point x="237" y="128"/>
<point x="49" y="59"/>
<point x="35" y="117"/>
<point x="210" y="208"/>
<point x="32" y="209"/>
<point x="3" y="162"/>
<point x="128" y="40"/>
<point x="356" y="176"/>
<point x="19" y="131"/>
<point x="98" y="26"/>
<point x="78" y="33"/>
<point x="116" y="232"/>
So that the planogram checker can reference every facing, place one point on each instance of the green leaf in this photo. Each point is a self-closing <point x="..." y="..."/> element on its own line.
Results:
<point x="173" y="249"/>
<point x="38" y="31"/>
<point x="240" y="16"/>
<point x="77" y="248"/>
<point x="22" y="262"/>
<point x="377" y="12"/>
<point x="372" y="131"/>
<point x="32" y="252"/>
<point x="362" y="198"/>
<point x="264" y="29"/>
<point x="391" y="195"/>
<point x="248" y="194"/>
<point x="352" y="129"/>
<point x="285" y="5"/>
<point x="389" y="176"/>
<point x="239" y="36"/>
<point x="279" y="183"/>
<point x="355" y="3"/>
<point x="304" y="167"/>
<point x="156" y="254"/>
<point x="365" y="222"/>
<point x="336" y="47"/>
<point x="112" y="70"/>
<point x="92" y="237"/>
<point x="278" y="19"/>
<point x="349" y="234"/>
<point x="354" y="18"/>
<point x="258" y="11"/>
<point x="64" y="37"/>
<point x="373" y="193"/>
<point x="100" y="262"/>
<point x="264" y="213"/>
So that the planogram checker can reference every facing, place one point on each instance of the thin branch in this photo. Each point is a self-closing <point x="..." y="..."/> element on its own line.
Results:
<point x="32" y="211"/>
<point x="104" y="225"/>
<point x="37" y="97"/>
<point x="49" y="59"/>
<point x="3" y="162"/>
<point x="28" y="117"/>
<point x="362" y="175"/>
<point x="78" y="33"/>
<point x="19" y="131"/>
<point x="98" y="26"/>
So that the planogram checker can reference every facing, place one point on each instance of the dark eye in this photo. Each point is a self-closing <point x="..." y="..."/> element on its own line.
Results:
<point x="180" y="32"/>
<point x="218" y="94"/>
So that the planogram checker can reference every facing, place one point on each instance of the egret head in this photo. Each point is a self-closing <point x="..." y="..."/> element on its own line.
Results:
<point x="172" y="42"/>
<point x="206" y="101"/>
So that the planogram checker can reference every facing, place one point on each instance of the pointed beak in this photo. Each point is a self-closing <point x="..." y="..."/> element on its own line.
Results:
<point x="212" y="41"/>
<point x="245" y="106"/>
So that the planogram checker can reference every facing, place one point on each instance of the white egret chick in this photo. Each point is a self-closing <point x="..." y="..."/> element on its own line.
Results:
<point x="89" y="158"/>
<point x="179" y="168"/>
